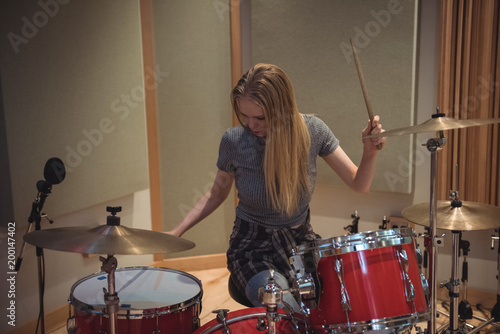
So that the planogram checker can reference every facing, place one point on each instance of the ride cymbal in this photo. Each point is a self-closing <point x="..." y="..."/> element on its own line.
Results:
<point x="437" y="124"/>
<point x="471" y="216"/>
<point x="107" y="239"/>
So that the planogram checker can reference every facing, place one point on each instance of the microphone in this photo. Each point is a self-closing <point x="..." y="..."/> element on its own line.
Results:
<point x="54" y="172"/>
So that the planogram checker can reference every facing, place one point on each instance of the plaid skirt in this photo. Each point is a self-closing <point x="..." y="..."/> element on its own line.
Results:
<point x="254" y="248"/>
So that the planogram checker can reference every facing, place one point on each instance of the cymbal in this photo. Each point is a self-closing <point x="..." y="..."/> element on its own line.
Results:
<point x="471" y="216"/>
<point x="437" y="124"/>
<point x="107" y="239"/>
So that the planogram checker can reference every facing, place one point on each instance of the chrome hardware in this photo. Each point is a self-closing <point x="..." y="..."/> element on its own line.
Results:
<point x="404" y="265"/>
<point x="346" y="303"/>
<point x="221" y="319"/>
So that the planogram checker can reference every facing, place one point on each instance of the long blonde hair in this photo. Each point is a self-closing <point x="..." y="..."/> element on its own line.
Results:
<point x="286" y="155"/>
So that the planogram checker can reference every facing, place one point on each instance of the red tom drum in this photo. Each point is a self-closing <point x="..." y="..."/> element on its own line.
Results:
<point x="370" y="282"/>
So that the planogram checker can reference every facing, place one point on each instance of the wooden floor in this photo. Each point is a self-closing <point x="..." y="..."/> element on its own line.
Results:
<point x="216" y="296"/>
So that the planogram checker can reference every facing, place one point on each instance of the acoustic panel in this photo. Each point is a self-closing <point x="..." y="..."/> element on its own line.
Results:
<point x="73" y="88"/>
<point x="310" y="40"/>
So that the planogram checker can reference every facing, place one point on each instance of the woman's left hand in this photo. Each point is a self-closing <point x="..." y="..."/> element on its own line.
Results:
<point x="372" y="129"/>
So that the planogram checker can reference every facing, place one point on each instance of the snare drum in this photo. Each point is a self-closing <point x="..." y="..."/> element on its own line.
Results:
<point x="251" y="320"/>
<point x="370" y="282"/>
<point x="151" y="299"/>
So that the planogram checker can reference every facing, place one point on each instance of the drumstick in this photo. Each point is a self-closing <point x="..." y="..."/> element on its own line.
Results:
<point x="363" y="86"/>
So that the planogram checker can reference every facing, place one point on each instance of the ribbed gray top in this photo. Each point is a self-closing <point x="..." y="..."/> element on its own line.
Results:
<point x="242" y="154"/>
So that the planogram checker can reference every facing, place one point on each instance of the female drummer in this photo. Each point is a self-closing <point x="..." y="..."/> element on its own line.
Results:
<point x="271" y="157"/>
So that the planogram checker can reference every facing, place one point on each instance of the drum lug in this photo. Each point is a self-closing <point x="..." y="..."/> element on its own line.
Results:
<point x="261" y="324"/>
<point x="404" y="265"/>
<point x="425" y="285"/>
<point x="70" y="325"/>
<point x="346" y="303"/>
<point x="71" y="322"/>
<point x="196" y="323"/>
<point x="221" y="319"/>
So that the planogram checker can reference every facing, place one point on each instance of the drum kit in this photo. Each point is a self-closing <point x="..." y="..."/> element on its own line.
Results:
<point x="361" y="282"/>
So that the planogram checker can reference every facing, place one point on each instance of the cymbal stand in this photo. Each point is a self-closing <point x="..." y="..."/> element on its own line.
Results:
<point x="431" y="241"/>
<point x="111" y="299"/>
<point x="464" y="308"/>
<point x="454" y="286"/>
<point x="495" y="311"/>
<point x="425" y="262"/>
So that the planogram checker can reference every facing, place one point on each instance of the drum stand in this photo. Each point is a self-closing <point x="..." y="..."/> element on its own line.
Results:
<point x="271" y="295"/>
<point x="495" y="311"/>
<point x="454" y="286"/>
<point x="463" y="310"/>
<point x="111" y="299"/>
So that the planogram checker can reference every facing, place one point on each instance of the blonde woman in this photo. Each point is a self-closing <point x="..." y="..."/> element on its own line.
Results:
<point x="271" y="158"/>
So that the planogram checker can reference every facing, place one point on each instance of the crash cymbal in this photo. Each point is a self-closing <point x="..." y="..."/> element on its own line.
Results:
<point x="470" y="216"/>
<point x="437" y="124"/>
<point x="107" y="239"/>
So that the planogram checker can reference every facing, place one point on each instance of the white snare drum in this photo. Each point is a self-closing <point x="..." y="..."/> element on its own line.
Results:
<point x="151" y="300"/>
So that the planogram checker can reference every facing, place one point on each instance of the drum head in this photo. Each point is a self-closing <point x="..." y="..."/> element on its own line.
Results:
<point x="139" y="288"/>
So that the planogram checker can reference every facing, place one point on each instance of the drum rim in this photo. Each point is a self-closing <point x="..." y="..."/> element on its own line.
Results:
<point x="380" y="324"/>
<point x="136" y="313"/>
<point x="358" y="242"/>
<point x="243" y="314"/>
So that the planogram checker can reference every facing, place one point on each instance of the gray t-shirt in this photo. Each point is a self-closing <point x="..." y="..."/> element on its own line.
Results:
<point x="242" y="154"/>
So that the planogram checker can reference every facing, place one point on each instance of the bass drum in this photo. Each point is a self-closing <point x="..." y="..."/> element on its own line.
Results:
<point x="152" y="300"/>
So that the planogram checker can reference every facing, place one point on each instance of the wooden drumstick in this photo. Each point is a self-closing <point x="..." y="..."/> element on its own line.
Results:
<point x="363" y="86"/>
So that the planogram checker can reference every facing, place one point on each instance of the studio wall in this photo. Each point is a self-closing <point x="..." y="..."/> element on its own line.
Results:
<point x="192" y="46"/>
<point x="73" y="88"/>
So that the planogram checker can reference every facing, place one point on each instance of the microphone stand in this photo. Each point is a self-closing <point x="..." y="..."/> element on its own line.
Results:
<point x="54" y="173"/>
<point x="36" y="217"/>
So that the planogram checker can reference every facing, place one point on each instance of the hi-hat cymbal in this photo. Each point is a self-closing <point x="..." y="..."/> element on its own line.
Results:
<point x="471" y="216"/>
<point x="107" y="239"/>
<point x="437" y="124"/>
